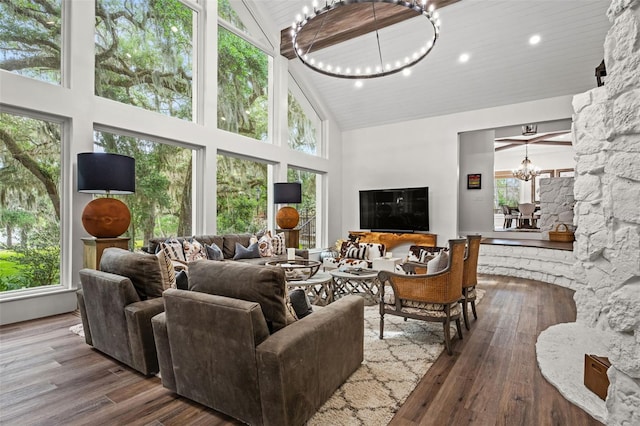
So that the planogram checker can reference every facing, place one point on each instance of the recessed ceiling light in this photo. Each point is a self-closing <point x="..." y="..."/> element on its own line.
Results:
<point x="463" y="58"/>
<point x="358" y="84"/>
<point x="534" y="39"/>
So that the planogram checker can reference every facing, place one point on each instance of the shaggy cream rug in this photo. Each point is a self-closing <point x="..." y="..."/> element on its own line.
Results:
<point x="391" y="369"/>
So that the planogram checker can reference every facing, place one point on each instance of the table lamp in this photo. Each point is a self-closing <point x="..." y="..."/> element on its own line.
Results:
<point x="284" y="193"/>
<point x="103" y="173"/>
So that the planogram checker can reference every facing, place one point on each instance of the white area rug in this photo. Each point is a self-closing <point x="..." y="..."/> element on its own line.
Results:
<point x="560" y="350"/>
<point x="391" y="369"/>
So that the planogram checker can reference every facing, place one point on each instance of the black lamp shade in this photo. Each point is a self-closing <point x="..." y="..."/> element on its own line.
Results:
<point x="103" y="173"/>
<point x="289" y="192"/>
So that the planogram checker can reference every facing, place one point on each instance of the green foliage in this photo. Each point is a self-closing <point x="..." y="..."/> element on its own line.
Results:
<point x="302" y="132"/>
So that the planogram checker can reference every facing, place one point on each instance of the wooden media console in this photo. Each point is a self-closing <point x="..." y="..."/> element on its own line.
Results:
<point x="391" y="239"/>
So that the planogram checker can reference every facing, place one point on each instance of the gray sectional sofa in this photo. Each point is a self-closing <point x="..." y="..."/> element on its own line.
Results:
<point x="227" y="244"/>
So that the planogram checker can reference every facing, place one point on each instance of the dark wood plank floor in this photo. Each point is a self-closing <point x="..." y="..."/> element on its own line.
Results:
<point x="49" y="376"/>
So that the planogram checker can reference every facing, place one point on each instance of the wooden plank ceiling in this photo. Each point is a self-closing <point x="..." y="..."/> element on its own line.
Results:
<point x="348" y="22"/>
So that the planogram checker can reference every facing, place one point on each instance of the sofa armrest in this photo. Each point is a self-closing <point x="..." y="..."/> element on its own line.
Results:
<point x="143" y="347"/>
<point x="302" y="365"/>
<point x="165" y="360"/>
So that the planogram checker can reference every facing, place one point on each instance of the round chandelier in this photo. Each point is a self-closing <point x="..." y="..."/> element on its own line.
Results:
<point x="312" y="20"/>
<point x="526" y="171"/>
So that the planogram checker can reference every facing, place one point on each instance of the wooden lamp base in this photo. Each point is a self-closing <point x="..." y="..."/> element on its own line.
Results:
<point x="106" y="218"/>
<point x="287" y="217"/>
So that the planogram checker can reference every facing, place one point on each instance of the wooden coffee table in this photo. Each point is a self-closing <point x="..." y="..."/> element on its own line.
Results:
<point x="319" y="288"/>
<point x="365" y="283"/>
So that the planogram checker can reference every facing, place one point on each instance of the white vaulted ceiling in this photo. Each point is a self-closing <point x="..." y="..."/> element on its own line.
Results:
<point x="503" y="67"/>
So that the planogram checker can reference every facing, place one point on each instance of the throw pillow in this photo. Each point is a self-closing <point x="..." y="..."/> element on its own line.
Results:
<point x="253" y="239"/>
<point x="251" y="252"/>
<point x="166" y="270"/>
<point x="214" y="252"/>
<point x="300" y="302"/>
<point x="279" y="244"/>
<point x="174" y="249"/>
<point x="355" y="251"/>
<point x="291" y="316"/>
<point x="193" y="250"/>
<point x="265" y="245"/>
<point x="182" y="281"/>
<point x="438" y="263"/>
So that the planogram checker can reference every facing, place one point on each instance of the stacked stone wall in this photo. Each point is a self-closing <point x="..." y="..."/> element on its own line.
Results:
<point x="556" y="204"/>
<point x="606" y="134"/>
<point x="540" y="264"/>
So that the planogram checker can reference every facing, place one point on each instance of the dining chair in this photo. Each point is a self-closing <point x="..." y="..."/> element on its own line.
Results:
<point x="526" y="214"/>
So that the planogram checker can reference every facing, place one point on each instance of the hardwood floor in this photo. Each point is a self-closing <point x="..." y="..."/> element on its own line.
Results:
<point x="49" y="376"/>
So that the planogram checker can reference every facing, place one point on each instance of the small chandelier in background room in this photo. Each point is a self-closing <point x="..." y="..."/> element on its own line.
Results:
<point x="529" y="129"/>
<point x="527" y="170"/>
<point x="377" y="53"/>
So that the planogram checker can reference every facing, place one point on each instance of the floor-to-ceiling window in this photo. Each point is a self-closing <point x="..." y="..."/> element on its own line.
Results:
<point x="30" y="202"/>
<point x="242" y="195"/>
<point x="308" y="209"/>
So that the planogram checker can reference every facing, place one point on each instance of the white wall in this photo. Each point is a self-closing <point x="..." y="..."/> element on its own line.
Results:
<point x="475" y="206"/>
<point x="425" y="153"/>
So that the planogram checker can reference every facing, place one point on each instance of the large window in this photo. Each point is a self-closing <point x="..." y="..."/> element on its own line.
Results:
<point x="144" y="54"/>
<point x="161" y="205"/>
<point x="243" y="82"/>
<point x="29" y="202"/>
<point x="30" y="38"/>
<point x="308" y="209"/>
<point x="304" y="123"/>
<point x="242" y="195"/>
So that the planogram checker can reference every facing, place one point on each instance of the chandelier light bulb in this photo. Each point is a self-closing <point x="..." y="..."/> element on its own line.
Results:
<point x="358" y="84"/>
<point x="406" y="72"/>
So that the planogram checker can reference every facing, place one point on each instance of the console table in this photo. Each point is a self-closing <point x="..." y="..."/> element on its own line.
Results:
<point x="391" y="239"/>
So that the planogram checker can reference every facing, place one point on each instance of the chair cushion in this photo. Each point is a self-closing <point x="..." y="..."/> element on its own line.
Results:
<point x="419" y="308"/>
<point x="141" y="268"/>
<point x="261" y="284"/>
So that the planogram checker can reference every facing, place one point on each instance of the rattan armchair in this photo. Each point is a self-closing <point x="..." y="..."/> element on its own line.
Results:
<point x="427" y="297"/>
<point x="470" y="277"/>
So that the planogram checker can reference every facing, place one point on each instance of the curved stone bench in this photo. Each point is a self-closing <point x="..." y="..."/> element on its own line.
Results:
<point x="549" y="265"/>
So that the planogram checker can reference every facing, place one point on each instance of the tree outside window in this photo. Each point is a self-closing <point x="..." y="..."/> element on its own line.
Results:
<point x="308" y="208"/>
<point x="162" y="203"/>
<point x="29" y="202"/>
<point x="30" y="38"/>
<point x="144" y="54"/>
<point x="242" y="195"/>
<point x="303" y="132"/>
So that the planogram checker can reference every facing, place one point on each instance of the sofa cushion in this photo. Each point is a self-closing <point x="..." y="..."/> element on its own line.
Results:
<point x="141" y="268"/>
<point x="263" y="285"/>
<point x="251" y="252"/>
<point x="214" y="252"/>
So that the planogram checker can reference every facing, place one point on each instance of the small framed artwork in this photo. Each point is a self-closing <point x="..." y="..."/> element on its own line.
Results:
<point x="565" y="172"/>
<point x="474" y="181"/>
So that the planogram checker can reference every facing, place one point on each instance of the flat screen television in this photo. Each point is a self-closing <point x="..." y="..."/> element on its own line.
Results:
<point x="395" y="210"/>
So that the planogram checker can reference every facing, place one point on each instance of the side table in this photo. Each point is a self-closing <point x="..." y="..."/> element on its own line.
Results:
<point x="319" y="288"/>
<point x="365" y="283"/>
<point x="93" y="248"/>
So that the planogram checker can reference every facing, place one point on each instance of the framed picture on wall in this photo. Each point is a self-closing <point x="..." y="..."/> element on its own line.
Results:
<point x="474" y="181"/>
<point x="565" y="173"/>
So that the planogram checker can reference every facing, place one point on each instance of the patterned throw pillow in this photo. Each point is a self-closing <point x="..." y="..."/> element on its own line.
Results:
<point x="355" y="251"/>
<point x="279" y="244"/>
<point x="166" y="270"/>
<point x="214" y="252"/>
<point x="174" y="249"/>
<point x="193" y="250"/>
<point x="265" y="245"/>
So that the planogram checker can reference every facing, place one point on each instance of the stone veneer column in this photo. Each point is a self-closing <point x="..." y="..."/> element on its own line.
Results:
<point x="606" y="132"/>
<point x="556" y="204"/>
